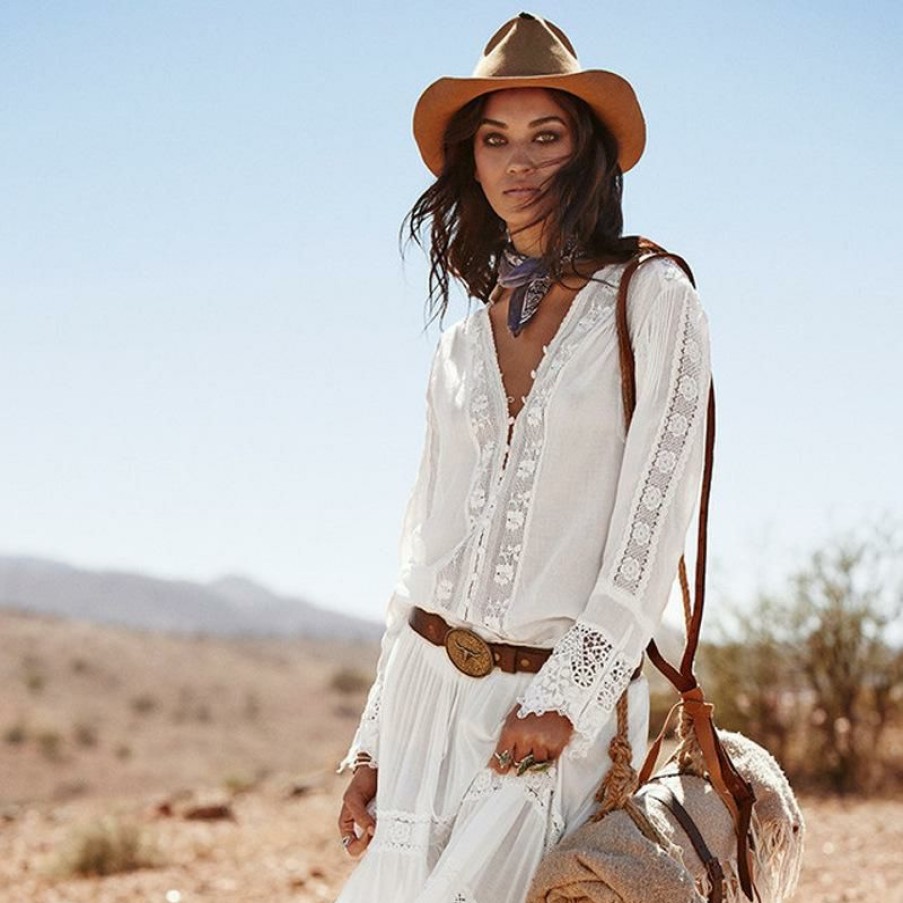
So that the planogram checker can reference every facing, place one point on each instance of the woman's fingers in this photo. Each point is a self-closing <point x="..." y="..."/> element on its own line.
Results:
<point x="354" y="814"/>
<point x="505" y="749"/>
<point x="502" y="757"/>
<point x="542" y="754"/>
<point x="354" y="844"/>
<point x="346" y="830"/>
<point x="543" y="736"/>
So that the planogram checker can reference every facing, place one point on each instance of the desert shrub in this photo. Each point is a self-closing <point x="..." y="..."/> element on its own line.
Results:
<point x="16" y="734"/>
<point x="35" y="681"/>
<point x="144" y="704"/>
<point x="192" y="708"/>
<point x="71" y="789"/>
<point x="85" y="734"/>
<point x="239" y="783"/>
<point x="107" y="846"/>
<point x="811" y="672"/>
<point x="252" y="706"/>
<point x="350" y="680"/>
<point x="50" y="742"/>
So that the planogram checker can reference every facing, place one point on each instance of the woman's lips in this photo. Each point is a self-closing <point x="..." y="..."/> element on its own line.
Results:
<point x="520" y="192"/>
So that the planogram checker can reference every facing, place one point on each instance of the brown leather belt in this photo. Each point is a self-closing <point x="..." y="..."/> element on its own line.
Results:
<point x="473" y="655"/>
<point x="470" y="653"/>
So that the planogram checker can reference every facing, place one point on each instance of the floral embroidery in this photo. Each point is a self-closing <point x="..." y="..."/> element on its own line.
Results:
<point x="586" y="675"/>
<point x="634" y="561"/>
<point x="496" y="584"/>
<point x="452" y="578"/>
<point x="411" y="832"/>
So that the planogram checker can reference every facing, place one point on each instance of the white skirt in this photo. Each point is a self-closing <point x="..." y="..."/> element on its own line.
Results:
<point x="448" y="828"/>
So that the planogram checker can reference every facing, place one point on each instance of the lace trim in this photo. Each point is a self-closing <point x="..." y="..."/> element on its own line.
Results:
<point x="449" y="578"/>
<point x="635" y="558"/>
<point x="366" y="738"/>
<point x="498" y="581"/>
<point x="582" y="679"/>
<point x="411" y="832"/>
<point x="485" y="433"/>
<point x="537" y="786"/>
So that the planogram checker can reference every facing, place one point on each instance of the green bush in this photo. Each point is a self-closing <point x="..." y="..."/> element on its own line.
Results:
<point x="810" y="672"/>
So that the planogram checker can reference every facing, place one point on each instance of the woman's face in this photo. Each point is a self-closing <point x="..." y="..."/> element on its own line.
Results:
<point x="523" y="138"/>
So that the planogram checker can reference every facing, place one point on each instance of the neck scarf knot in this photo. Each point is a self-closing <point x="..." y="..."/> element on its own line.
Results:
<point x="530" y="279"/>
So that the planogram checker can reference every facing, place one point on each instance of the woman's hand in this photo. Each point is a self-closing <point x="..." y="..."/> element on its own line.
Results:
<point x="545" y="736"/>
<point x="360" y="791"/>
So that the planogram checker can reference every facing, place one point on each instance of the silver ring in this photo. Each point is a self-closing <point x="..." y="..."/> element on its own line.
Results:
<point x="528" y="761"/>
<point x="347" y="839"/>
<point x="503" y="758"/>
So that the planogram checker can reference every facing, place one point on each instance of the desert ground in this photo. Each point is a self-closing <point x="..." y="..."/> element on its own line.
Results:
<point x="212" y="764"/>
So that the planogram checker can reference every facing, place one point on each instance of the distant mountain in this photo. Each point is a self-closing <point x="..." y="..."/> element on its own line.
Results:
<point x="230" y="606"/>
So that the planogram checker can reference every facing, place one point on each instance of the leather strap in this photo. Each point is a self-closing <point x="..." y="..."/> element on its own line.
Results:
<point x="734" y="790"/>
<point x="664" y="795"/>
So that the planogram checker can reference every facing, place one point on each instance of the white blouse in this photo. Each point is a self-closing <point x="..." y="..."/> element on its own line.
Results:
<point x="569" y="535"/>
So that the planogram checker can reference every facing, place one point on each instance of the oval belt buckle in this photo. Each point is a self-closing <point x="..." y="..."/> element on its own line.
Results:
<point x="469" y="652"/>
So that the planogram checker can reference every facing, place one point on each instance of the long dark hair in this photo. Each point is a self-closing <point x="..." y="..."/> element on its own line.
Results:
<point x="466" y="236"/>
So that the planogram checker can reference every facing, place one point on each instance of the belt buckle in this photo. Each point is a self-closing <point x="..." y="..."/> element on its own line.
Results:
<point x="469" y="652"/>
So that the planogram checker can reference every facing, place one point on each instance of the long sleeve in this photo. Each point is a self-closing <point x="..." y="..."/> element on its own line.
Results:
<point x="657" y="492"/>
<point x="366" y="738"/>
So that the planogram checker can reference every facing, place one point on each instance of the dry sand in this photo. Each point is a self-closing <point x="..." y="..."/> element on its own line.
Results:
<point x="282" y="848"/>
<point x="103" y="723"/>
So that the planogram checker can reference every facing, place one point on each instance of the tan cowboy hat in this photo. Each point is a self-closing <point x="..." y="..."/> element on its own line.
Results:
<point x="530" y="52"/>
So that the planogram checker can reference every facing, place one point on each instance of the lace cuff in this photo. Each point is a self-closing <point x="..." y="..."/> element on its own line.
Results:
<point x="366" y="738"/>
<point x="583" y="680"/>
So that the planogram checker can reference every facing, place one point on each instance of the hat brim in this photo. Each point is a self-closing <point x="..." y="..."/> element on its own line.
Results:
<point x="609" y="96"/>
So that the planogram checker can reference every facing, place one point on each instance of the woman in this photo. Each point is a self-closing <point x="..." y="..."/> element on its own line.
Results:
<point x="541" y="538"/>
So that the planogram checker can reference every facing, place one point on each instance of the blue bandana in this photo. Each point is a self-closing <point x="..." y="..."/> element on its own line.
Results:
<point x="530" y="279"/>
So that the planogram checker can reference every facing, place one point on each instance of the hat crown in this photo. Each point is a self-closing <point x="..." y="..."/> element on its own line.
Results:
<point x="524" y="46"/>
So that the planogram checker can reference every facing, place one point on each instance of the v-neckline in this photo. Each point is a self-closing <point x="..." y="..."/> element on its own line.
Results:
<point x="511" y="420"/>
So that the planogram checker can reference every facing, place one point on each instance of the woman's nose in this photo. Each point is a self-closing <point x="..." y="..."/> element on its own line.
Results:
<point x="520" y="161"/>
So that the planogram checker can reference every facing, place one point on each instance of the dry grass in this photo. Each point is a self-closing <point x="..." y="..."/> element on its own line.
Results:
<point x="106" y="846"/>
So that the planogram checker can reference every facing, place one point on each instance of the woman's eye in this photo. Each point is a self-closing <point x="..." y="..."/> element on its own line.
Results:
<point x="495" y="139"/>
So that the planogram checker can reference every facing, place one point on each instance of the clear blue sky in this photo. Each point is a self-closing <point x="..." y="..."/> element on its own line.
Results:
<point x="212" y="360"/>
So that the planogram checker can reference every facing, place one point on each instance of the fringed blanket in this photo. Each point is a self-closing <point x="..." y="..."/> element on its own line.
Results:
<point x="611" y="861"/>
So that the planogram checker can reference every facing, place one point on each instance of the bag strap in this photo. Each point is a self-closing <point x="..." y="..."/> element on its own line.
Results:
<point x="733" y="789"/>
<point x="663" y="794"/>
